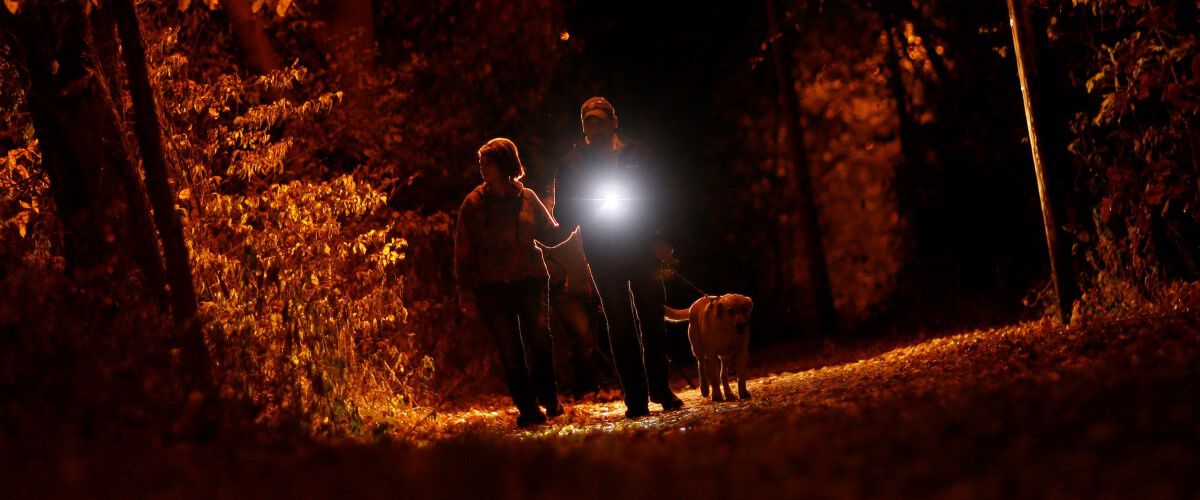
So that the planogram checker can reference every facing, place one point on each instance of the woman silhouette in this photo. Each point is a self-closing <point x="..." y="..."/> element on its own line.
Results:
<point x="502" y="277"/>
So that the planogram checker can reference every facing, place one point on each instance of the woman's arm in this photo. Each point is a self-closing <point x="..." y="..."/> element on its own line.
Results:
<point x="464" y="267"/>
<point x="546" y="229"/>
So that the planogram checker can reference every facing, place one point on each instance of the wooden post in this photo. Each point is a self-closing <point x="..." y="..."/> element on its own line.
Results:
<point x="1024" y="52"/>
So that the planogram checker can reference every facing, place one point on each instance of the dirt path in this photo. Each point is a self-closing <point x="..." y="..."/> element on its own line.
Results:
<point x="792" y="380"/>
<point x="1027" y="410"/>
<point x="1034" y="407"/>
<point x="781" y="390"/>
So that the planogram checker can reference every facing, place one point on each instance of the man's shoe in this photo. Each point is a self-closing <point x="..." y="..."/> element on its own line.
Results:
<point x="531" y="419"/>
<point x="554" y="411"/>
<point x="636" y="411"/>
<point x="669" y="402"/>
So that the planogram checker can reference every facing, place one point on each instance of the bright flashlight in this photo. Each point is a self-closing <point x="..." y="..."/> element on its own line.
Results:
<point x="613" y="200"/>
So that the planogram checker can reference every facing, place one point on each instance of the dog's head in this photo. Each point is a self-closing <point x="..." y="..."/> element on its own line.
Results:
<point x="735" y="309"/>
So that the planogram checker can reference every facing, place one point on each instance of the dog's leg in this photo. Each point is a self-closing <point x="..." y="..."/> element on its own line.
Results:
<point x="742" y="359"/>
<point x="701" y="361"/>
<point x="714" y="377"/>
<point x="726" y="367"/>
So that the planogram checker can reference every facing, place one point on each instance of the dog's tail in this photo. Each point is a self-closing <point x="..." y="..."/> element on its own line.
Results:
<point x="676" y="315"/>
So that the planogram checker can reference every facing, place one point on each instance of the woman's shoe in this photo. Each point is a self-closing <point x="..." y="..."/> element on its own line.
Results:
<point x="669" y="402"/>
<point x="636" y="411"/>
<point x="531" y="419"/>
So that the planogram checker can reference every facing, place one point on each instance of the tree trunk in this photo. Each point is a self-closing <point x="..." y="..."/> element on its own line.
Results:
<point x="935" y="59"/>
<point x="257" y="52"/>
<point x="141" y="228"/>
<point x="189" y="335"/>
<point x="1025" y="51"/>
<point x="906" y="181"/>
<point x="926" y="31"/>
<point x="818" y="267"/>
<point x="108" y="57"/>
<point x="95" y="186"/>
<point x="779" y="261"/>
<point x="906" y="126"/>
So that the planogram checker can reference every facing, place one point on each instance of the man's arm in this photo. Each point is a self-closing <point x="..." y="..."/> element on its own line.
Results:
<point x="650" y="173"/>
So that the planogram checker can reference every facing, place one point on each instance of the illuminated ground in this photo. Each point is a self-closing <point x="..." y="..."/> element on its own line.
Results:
<point x="942" y="369"/>
<point x="1031" y="409"/>
<point x="782" y="387"/>
<point x="1106" y="408"/>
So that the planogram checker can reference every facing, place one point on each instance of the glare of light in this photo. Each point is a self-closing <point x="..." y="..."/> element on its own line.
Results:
<point x="613" y="200"/>
<point x="564" y="36"/>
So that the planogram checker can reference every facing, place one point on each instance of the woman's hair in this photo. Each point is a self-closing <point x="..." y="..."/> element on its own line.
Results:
<point x="503" y="153"/>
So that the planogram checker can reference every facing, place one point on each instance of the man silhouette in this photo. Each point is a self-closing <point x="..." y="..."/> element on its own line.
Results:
<point x="606" y="188"/>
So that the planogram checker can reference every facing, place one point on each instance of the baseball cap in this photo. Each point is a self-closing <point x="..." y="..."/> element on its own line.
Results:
<point x="598" y="106"/>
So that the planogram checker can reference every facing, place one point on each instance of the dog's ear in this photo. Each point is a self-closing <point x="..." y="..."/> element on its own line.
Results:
<point x="720" y="307"/>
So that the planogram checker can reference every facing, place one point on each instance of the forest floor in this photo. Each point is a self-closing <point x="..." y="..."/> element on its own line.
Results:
<point x="1107" y="409"/>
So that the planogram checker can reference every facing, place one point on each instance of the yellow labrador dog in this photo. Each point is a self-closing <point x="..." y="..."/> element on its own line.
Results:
<point x="719" y="330"/>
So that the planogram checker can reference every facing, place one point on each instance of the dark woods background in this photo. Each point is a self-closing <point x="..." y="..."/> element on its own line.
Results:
<point x="930" y="226"/>
<point x="857" y="167"/>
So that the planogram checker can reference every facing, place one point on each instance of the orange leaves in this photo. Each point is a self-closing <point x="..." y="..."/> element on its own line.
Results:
<point x="306" y="262"/>
<point x="279" y="6"/>
<point x="281" y="80"/>
<point x="24" y="188"/>
<point x="297" y="266"/>
<point x="1133" y="143"/>
<point x="268" y="115"/>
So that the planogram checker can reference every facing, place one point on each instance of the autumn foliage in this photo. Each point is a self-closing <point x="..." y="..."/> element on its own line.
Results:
<point x="317" y="154"/>
<point x="314" y="210"/>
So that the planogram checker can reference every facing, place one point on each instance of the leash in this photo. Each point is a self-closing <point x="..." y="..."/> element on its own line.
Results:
<point x="689" y="282"/>
<point x="678" y="369"/>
